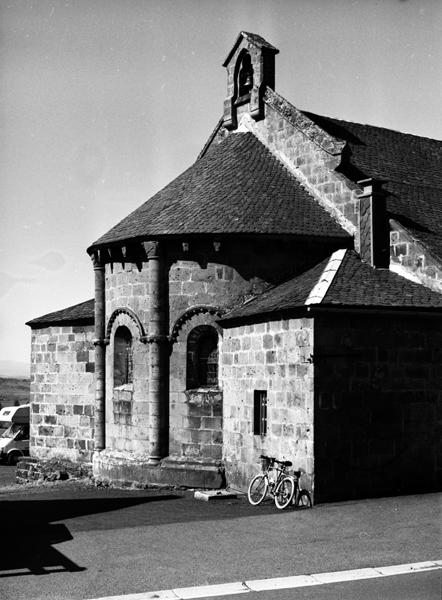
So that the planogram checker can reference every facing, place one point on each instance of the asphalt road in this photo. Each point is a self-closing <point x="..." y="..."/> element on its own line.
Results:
<point x="72" y="542"/>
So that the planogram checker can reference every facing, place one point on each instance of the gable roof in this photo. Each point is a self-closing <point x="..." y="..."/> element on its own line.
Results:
<point x="341" y="280"/>
<point x="410" y="167"/>
<point x="256" y="39"/>
<point x="237" y="187"/>
<point x="79" y="313"/>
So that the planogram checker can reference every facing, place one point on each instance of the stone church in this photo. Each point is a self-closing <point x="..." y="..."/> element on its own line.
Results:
<point x="281" y="296"/>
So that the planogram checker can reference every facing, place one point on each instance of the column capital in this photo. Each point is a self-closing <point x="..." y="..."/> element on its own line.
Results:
<point x="152" y="249"/>
<point x="97" y="260"/>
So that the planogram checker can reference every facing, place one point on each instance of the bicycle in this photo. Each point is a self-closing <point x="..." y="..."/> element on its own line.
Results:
<point x="276" y="481"/>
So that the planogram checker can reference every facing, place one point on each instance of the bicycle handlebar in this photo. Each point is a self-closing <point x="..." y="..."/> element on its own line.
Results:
<point x="272" y="459"/>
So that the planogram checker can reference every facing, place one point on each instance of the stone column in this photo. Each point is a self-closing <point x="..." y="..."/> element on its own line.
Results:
<point x="100" y="352"/>
<point x="157" y="339"/>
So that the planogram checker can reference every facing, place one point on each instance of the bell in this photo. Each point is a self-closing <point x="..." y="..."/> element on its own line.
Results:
<point x="248" y="83"/>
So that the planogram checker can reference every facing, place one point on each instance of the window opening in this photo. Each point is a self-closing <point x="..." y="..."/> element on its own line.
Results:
<point x="123" y="357"/>
<point x="202" y="357"/>
<point x="260" y="412"/>
<point x="208" y="360"/>
<point x="245" y="76"/>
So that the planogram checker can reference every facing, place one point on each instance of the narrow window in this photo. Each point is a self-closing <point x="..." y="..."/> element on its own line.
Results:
<point x="245" y="76"/>
<point x="202" y="357"/>
<point x="260" y="412"/>
<point x="123" y="360"/>
<point x="208" y="360"/>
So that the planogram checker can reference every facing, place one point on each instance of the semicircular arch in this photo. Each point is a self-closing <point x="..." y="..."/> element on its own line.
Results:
<point x="189" y="314"/>
<point x="130" y="313"/>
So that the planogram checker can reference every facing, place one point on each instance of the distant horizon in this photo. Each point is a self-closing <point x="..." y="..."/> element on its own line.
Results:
<point x="15" y="369"/>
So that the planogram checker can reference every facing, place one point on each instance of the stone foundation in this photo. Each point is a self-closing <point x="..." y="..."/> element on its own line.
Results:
<point x="32" y="469"/>
<point x="123" y="469"/>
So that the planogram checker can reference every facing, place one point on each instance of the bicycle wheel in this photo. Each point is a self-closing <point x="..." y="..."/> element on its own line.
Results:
<point x="284" y="493"/>
<point x="257" y="489"/>
<point x="303" y="501"/>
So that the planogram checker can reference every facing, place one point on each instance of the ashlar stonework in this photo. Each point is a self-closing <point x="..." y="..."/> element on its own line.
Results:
<point x="62" y="391"/>
<point x="281" y="296"/>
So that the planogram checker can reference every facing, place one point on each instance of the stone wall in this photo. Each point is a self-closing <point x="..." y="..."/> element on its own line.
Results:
<point x="311" y="155"/>
<point x="195" y="416"/>
<point x="203" y="424"/>
<point x="239" y="270"/>
<point x="377" y="405"/>
<point x="274" y="357"/>
<point x="412" y="260"/>
<point x="127" y="405"/>
<point x="62" y="392"/>
<point x="201" y="277"/>
<point x="127" y="286"/>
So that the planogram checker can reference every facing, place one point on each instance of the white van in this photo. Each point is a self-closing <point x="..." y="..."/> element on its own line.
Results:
<point x="14" y="442"/>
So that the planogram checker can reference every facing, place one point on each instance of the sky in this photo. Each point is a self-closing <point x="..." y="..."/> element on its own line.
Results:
<point x="103" y="102"/>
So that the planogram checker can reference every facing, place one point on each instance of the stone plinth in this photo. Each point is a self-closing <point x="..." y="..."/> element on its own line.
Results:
<point x="123" y="469"/>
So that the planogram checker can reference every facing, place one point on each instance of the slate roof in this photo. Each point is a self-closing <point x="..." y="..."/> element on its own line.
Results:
<point x="79" y="313"/>
<point x="355" y="284"/>
<point x="410" y="167"/>
<point x="237" y="187"/>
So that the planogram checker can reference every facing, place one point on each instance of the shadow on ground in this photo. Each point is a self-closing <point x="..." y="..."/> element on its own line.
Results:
<point x="29" y="530"/>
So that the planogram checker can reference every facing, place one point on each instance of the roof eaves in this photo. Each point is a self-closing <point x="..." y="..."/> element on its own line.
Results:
<point x="41" y="323"/>
<point x="375" y="309"/>
<point x="262" y="317"/>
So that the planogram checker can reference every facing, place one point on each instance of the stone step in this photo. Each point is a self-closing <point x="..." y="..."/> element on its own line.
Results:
<point x="209" y="495"/>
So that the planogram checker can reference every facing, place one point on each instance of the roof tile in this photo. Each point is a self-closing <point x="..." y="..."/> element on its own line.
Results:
<point x="355" y="284"/>
<point x="238" y="187"/>
<point x="409" y="166"/>
<point x="83" y="312"/>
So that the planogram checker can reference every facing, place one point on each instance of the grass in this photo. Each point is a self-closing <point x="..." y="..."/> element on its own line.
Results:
<point x="13" y="391"/>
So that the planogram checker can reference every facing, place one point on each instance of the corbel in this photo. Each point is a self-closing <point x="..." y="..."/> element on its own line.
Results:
<point x="111" y="259"/>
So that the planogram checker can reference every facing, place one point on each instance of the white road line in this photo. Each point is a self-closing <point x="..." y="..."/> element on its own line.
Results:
<point x="280" y="583"/>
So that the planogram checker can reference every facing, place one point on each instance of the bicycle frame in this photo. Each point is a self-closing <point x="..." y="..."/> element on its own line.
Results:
<point x="274" y="480"/>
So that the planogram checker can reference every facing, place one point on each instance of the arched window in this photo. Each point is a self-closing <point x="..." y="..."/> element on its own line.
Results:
<point x="245" y="76"/>
<point x="202" y="357"/>
<point x="123" y="361"/>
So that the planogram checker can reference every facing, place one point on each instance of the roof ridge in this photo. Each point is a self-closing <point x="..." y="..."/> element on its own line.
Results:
<point x="398" y="131"/>
<point x="318" y="292"/>
<point x="210" y="139"/>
